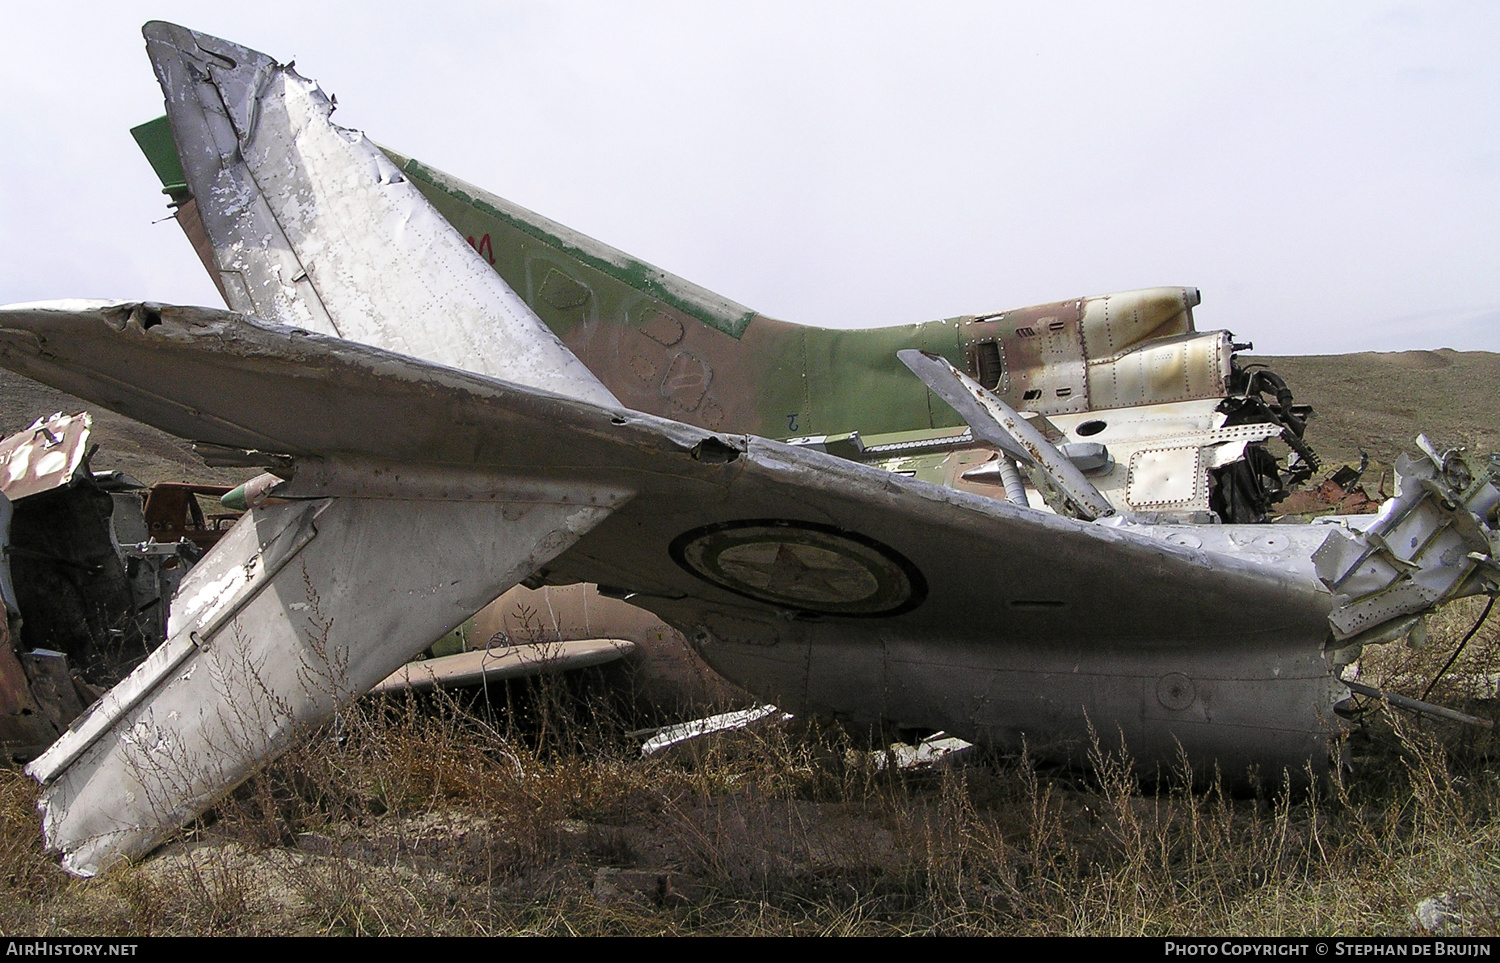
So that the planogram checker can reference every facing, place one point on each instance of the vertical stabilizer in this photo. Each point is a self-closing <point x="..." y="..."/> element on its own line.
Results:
<point x="313" y="226"/>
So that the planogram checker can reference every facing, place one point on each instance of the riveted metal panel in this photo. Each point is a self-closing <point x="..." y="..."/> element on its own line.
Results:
<point x="1042" y="356"/>
<point x="1171" y="369"/>
<point x="1114" y="323"/>
<point x="1166" y="479"/>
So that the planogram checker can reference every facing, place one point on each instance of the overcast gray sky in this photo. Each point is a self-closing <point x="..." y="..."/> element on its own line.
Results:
<point x="1327" y="174"/>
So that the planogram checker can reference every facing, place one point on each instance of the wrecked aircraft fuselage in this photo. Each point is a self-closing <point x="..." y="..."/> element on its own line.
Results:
<point x="495" y="445"/>
<point x="85" y="578"/>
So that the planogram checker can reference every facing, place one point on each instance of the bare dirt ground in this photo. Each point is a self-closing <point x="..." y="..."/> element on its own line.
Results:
<point x="1379" y="401"/>
<point x="446" y="818"/>
<point x="151" y="456"/>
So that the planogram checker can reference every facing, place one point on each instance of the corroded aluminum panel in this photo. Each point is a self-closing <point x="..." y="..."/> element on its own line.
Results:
<point x="1284" y="548"/>
<point x="315" y="227"/>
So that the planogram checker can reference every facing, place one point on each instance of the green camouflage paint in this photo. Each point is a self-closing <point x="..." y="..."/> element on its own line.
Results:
<point x="669" y="347"/>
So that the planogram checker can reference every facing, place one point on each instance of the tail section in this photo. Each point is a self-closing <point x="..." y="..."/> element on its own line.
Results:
<point x="313" y="226"/>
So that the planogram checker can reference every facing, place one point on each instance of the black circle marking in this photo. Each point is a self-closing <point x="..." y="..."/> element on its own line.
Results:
<point x="1175" y="691"/>
<point x="803" y="566"/>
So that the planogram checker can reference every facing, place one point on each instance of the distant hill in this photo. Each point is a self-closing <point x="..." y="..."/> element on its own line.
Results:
<point x="1375" y="401"/>
<point x="150" y="455"/>
<point x="1379" y="401"/>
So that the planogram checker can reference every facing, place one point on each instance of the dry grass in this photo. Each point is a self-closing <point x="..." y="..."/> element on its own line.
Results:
<point x="439" y="818"/>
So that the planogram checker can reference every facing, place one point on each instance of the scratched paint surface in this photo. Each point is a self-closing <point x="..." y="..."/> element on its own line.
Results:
<point x="669" y="347"/>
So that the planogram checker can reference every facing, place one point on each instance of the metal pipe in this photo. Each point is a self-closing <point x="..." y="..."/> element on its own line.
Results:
<point x="1425" y="708"/>
<point x="1015" y="489"/>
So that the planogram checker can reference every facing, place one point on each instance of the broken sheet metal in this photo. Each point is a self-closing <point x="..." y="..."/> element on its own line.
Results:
<point x="503" y="662"/>
<point x="44" y="456"/>
<point x="1434" y="541"/>
<point x="87" y="582"/>
<point x="1331" y="497"/>
<point x="60" y="572"/>
<point x="938" y="748"/>
<point x="697" y="728"/>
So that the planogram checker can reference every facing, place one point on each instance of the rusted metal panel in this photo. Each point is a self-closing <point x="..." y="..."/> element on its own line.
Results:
<point x="172" y="513"/>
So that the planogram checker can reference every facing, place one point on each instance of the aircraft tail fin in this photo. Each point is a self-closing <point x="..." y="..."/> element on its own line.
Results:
<point x="313" y="226"/>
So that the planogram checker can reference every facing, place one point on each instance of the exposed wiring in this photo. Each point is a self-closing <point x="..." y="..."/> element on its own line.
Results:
<point x="1456" y="652"/>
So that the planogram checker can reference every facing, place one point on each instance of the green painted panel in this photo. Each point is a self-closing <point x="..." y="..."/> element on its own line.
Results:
<point x="763" y="376"/>
<point x="712" y="310"/>
<point x="932" y="469"/>
<point x="775" y="373"/>
<point x="154" y="138"/>
<point x="856" y="383"/>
